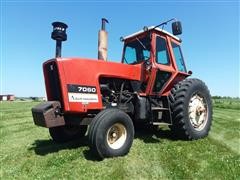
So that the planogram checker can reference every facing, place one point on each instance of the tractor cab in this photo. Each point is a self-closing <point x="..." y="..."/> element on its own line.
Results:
<point x="160" y="54"/>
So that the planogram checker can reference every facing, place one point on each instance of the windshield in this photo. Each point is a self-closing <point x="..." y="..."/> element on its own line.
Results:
<point x="137" y="51"/>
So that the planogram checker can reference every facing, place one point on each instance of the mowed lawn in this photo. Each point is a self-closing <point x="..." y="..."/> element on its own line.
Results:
<point x="27" y="152"/>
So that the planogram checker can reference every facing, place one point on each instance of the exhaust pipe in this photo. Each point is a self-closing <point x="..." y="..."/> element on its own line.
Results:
<point x="103" y="41"/>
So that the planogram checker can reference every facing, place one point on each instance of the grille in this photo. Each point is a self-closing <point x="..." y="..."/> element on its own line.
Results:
<point x="54" y="83"/>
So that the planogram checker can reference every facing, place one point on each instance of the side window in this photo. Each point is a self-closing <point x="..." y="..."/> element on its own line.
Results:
<point x="162" y="56"/>
<point x="178" y="57"/>
<point x="130" y="55"/>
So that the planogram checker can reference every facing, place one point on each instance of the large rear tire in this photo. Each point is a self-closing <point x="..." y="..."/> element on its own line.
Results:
<point x="67" y="132"/>
<point x="111" y="133"/>
<point x="191" y="107"/>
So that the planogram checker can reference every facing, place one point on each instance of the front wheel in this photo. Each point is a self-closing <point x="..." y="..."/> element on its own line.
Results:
<point x="191" y="107"/>
<point x="111" y="133"/>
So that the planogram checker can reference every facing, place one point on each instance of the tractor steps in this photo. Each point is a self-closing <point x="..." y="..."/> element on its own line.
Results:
<point x="161" y="112"/>
<point x="159" y="109"/>
<point x="160" y="124"/>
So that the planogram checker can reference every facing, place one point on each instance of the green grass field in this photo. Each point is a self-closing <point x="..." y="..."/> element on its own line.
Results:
<point x="27" y="151"/>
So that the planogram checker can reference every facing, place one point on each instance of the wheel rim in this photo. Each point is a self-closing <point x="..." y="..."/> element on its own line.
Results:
<point x="116" y="136"/>
<point x="198" y="112"/>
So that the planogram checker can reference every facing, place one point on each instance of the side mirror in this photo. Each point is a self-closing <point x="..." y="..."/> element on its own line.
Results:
<point x="176" y="28"/>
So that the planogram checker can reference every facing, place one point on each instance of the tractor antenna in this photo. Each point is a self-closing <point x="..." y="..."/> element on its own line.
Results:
<point x="145" y="28"/>
<point x="165" y="23"/>
<point x="59" y="34"/>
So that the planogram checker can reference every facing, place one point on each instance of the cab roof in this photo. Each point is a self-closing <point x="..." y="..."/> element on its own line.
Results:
<point x="151" y="28"/>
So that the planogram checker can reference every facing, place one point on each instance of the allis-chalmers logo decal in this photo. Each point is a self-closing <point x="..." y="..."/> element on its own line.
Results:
<point x="84" y="94"/>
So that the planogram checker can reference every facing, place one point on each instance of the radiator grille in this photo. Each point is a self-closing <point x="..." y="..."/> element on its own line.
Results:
<point x="53" y="82"/>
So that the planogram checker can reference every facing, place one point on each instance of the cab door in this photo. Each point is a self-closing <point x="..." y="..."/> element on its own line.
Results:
<point x="162" y="66"/>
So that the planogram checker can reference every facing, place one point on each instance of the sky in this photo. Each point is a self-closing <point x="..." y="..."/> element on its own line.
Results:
<point x="210" y="37"/>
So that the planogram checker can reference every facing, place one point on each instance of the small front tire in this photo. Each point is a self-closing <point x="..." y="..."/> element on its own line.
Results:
<point x="111" y="133"/>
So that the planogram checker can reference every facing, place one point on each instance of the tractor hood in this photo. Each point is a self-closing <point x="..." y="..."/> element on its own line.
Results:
<point x="75" y="81"/>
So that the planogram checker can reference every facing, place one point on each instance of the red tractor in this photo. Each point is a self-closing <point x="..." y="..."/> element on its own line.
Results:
<point x="107" y="100"/>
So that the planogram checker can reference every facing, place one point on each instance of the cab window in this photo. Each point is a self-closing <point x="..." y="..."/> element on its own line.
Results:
<point x="162" y="56"/>
<point x="137" y="51"/>
<point x="130" y="55"/>
<point x="178" y="57"/>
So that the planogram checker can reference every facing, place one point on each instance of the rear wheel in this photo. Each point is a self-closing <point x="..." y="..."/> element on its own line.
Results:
<point x="67" y="132"/>
<point x="111" y="133"/>
<point x="191" y="109"/>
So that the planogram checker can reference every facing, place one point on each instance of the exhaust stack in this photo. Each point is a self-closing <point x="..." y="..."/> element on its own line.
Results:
<point x="103" y="41"/>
